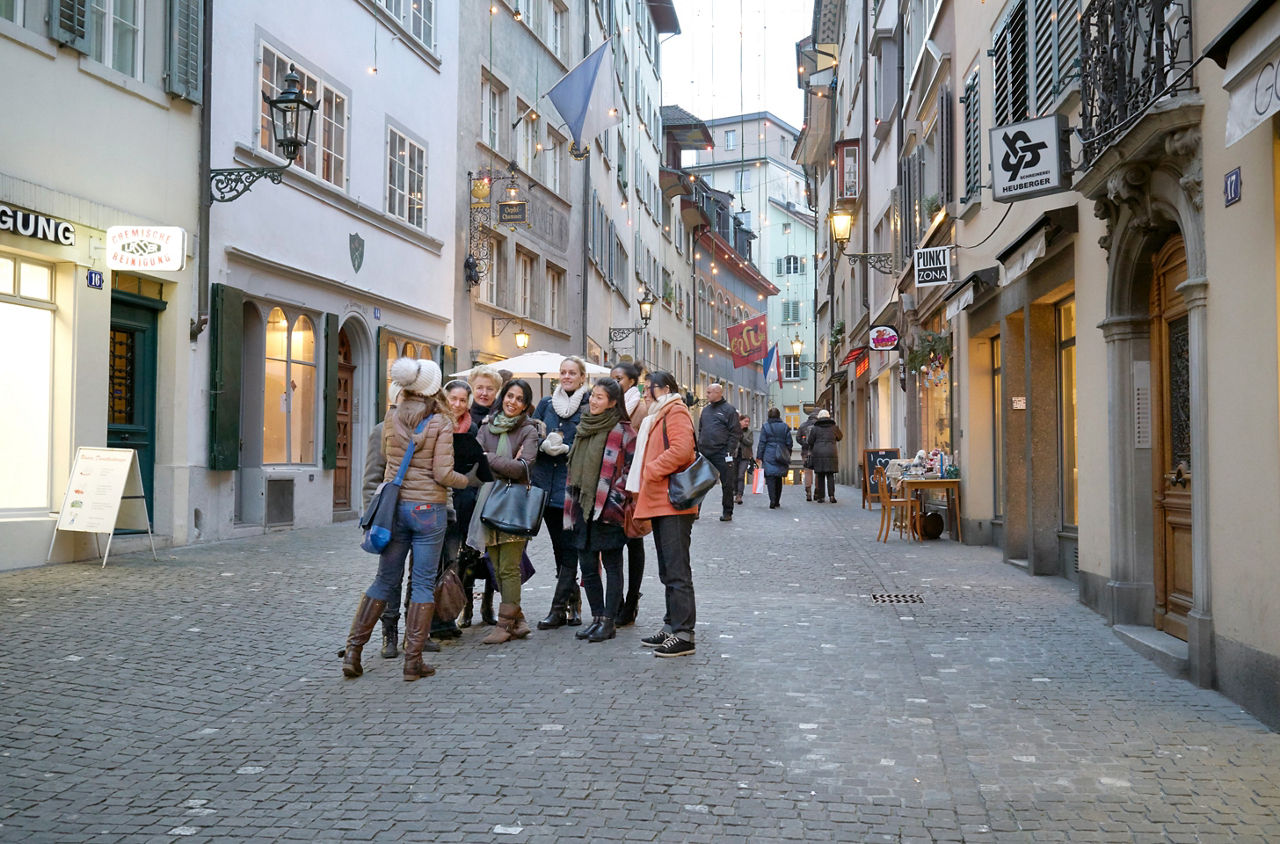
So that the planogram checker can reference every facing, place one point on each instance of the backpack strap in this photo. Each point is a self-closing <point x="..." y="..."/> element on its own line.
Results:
<point x="408" y="452"/>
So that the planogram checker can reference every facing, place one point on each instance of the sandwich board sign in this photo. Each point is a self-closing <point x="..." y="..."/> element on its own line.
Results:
<point x="103" y="493"/>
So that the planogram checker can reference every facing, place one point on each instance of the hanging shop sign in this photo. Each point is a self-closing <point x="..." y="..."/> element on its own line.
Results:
<point x="933" y="266"/>
<point x="1030" y="159"/>
<point x="847" y="170"/>
<point x="883" y="338"/>
<point x="514" y="211"/>
<point x="31" y="224"/>
<point x="748" y="341"/>
<point x="146" y="248"/>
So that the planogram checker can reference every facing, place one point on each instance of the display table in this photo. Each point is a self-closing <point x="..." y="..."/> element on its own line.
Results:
<point x="919" y="486"/>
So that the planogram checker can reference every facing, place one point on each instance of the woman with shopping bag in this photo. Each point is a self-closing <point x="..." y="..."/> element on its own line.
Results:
<point x="773" y="453"/>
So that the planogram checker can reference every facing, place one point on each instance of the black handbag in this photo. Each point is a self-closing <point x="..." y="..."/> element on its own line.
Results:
<point x="687" y="488"/>
<point x="515" y="508"/>
<point x="380" y="515"/>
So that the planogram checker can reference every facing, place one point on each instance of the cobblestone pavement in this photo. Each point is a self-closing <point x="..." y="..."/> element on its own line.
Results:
<point x="200" y="697"/>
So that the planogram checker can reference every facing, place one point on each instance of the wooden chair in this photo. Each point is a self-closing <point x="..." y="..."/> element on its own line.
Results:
<point x="894" y="512"/>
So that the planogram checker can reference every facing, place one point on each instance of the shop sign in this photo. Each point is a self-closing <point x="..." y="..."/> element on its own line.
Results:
<point x="883" y="338"/>
<point x="933" y="266"/>
<point x="515" y="211"/>
<point x="31" y="224"/>
<point x="1251" y="76"/>
<point x="1029" y="158"/>
<point x="147" y="248"/>
<point x="861" y="367"/>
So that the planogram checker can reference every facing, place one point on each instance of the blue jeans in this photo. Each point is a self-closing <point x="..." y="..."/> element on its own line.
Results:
<point x="419" y="526"/>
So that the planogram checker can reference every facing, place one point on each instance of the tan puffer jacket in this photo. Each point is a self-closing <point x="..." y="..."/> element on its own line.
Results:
<point x="430" y="473"/>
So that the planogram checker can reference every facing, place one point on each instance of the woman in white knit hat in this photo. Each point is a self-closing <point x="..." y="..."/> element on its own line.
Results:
<point x="421" y="513"/>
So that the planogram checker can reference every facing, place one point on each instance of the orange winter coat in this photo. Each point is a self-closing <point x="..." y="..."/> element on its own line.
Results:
<point x="661" y="461"/>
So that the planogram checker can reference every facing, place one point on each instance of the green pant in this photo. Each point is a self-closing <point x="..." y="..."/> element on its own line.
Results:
<point x="506" y="564"/>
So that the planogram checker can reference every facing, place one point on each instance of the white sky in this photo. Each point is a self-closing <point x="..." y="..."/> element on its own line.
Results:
<point x="702" y="65"/>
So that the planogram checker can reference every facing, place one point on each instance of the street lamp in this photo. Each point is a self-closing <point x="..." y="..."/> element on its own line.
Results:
<point x="840" y="221"/>
<point x="646" y="302"/>
<point x="797" y="345"/>
<point x="497" y="325"/>
<point x="291" y="118"/>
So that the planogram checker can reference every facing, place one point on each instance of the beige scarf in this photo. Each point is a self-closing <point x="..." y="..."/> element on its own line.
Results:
<point x="642" y="441"/>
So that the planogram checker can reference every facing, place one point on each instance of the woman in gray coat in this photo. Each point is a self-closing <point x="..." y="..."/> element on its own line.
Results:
<point x="822" y="440"/>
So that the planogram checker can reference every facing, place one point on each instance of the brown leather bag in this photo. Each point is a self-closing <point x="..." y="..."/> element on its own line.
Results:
<point x="449" y="595"/>
<point x="634" y="528"/>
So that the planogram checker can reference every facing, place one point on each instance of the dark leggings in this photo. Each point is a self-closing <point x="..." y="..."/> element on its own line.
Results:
<point x="774" y="486"/>
<point x="635" y="565"/>
<point x="607" y="601"/>
<point x="824" y="485"/>
<point x="566" y="555"/>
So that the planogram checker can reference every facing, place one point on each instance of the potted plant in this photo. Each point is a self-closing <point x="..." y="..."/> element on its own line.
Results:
<point x="931" y="350"/>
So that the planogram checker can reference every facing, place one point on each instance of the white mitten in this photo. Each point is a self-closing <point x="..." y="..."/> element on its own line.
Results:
<point x="554" y="444"/>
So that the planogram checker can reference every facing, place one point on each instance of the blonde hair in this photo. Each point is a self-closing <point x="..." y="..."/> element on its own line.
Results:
<point x="578" y="362"/>
<point x="484" y="370"/>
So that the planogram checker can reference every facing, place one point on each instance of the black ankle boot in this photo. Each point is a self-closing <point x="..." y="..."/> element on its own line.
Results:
<point x="390" y="636"/>
<point x="590" y="630"/>
<point x="554" y="619"/>
<point x="467" y="610"/>
<point x="602" y="630"/>
<point x="486" y="607"/>
<point x="574" y="611"/>
<point x="627" y="614"/>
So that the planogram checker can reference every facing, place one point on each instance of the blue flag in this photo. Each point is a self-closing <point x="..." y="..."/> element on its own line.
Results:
<point x="586" y="96"/>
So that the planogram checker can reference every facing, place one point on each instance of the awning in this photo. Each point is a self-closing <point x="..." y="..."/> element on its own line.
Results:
<point x="962" y="297"/>
<point x="1030" y="246"/>
<point x="664" y="17"/>
<point x="814" y="146"/>
<point x="1018" y="263"/>
<point x="1250" y="78"/>
<point x="853" y="355"/>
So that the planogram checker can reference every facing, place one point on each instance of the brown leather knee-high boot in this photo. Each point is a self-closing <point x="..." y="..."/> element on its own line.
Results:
<point x="367" y="615"/>
<point x="417" y="627"/>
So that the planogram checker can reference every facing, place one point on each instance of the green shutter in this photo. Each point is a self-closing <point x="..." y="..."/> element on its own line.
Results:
<point x="380" y="381"/>
<point x="69" y="23"/>
<point x="329" y="455"/>
<point x="448" y="359"/>
<point x="226" y="347"/>
<point x="183" y="72"/>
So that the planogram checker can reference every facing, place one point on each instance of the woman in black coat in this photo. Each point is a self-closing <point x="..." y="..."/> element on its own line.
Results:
<point x="773" y="452"/>
<point x="822" y="440"/>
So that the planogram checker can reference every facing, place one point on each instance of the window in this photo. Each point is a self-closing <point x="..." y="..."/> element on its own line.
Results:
<point x="11" y="10"/>
<point x="555" y="154"/>
<point x="327" y="158"/>
<point x="493" y="100"/>
<point x="791" y="415"/>
<point x="790" y="264"/>
<point x="730" y="139"/>
<point x="491" y="280"/>
<point x="289" y="391"/>
<point x="744" y="217"/>
<point x="26" y="334"/>
<point x="1068" y="457"/>
<point x="1009" y="70"/>
<point x="741" y="180"/>
<point x="528" y="133"/>
<point x="555" y="297"/>
<point x="557" y="31"/>
<point x="406" y="179"/>
<point x="526" y="284"/>
<point x="791" y="310"/>
<point x="972" y="139"/>
<point x="399" y="347"/>
<point x="997" y="428"/>
<point x="790" y="367"/>
<point x="422" y="21"/>
<point x="115" y="35"/>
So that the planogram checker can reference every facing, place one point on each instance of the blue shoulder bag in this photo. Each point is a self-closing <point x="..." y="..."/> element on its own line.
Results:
<point x="380" y="515"/>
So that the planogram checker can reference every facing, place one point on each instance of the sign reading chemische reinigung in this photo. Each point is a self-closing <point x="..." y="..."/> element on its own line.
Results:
<point x="1030" y="159"/>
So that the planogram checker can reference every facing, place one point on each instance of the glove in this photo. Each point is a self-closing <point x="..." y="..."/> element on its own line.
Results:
<point x="473" y="477"/>
<point x="554" y="444"/>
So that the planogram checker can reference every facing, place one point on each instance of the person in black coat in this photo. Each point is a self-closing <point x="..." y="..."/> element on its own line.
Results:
<point x="719" y="433"/>
<point x="486" y="382"/>
<point x="822" y="440"/>
<point x="773" y="452"/>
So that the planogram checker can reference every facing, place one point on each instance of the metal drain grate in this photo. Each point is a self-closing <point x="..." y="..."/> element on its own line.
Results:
<point x="898" y="598"/>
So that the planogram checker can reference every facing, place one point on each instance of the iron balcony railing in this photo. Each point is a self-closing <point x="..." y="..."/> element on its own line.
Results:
<point x="1133" y="53"/>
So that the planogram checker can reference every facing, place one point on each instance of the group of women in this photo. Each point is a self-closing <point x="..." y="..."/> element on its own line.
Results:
<point x="588" y="446"/>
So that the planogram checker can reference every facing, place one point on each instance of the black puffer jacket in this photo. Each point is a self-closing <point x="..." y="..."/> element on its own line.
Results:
<point x="719" y="430"/>
<point x="822" y="440"/>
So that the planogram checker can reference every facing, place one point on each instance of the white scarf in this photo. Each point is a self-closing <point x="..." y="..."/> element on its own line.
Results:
<point x="642" y="441"/>
<point x="631" y="398"/>
<point x="564" y="404"/>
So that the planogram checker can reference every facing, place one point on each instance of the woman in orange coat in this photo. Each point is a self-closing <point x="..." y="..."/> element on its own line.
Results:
<point x="664" y="446"/>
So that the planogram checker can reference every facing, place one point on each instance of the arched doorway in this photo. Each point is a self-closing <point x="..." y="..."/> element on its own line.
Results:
<point x="346" y="391"/>
<point x="1171" y="467"/>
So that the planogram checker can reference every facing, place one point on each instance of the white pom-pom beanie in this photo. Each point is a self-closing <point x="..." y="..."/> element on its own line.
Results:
<point x="417" y="376"/>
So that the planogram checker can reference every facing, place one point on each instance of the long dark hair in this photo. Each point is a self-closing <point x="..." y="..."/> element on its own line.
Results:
<point x="525" y="390"/>
<point x="611" y="388"/>
<point x="629" y="369"/>
<point x="664" y="379"/>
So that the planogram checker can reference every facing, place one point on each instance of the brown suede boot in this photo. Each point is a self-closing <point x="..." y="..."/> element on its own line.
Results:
<point x="521" y="627"/>
<point x="367" y="615"/>
<point x="417" y="629"/>
<point x="506" y="622"/>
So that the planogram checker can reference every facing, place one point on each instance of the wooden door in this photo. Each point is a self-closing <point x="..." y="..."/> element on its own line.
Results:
<point x="1171" y="439"/>
<point x="131" y="405"/>
<point x="342" y="470"/>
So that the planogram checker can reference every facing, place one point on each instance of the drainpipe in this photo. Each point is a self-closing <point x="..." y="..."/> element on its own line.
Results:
<point x="586" y="189"/>
<point x="201" y="319"/>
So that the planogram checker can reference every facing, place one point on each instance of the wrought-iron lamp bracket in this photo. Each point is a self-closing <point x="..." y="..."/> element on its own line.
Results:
<point x="881" y="262"/>
<point x="231" y="183"/>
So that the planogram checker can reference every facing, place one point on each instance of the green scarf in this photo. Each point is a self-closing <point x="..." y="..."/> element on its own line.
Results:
<point x="500" y="423"/>
<point x="587" y="453"/>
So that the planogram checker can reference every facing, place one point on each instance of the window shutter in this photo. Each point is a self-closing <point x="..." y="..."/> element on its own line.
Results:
<point x="329" y="453"/>
<point x="226" y="322"/>
<point x="1043" y="60"/>
<point x="448" y="359"/>
<point x="972" y="139"/>
<point x="183" y="76"/>
<point x="1068" y="41"/>
<point x="380" y="382"/>
<point x="69" y="23"/>
<point x="947" y="144"/>
<point x="780" y="267"/>
<point x="1020" y="77"/>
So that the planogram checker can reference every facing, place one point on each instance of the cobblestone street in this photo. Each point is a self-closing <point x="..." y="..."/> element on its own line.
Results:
<point x="201" y="698"/>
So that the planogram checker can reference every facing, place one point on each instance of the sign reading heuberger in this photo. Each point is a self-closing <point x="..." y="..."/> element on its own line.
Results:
<point x="146" y="248"/>
<point x="1030" y="159"/>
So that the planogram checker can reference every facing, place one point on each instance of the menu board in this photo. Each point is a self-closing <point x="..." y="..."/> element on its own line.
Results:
<point x="98" y="480"/>
<point x="871" y="458"/>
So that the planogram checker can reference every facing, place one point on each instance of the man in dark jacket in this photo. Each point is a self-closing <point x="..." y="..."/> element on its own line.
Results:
<point x="806" y="452"/>
<point x="719" y="432"/>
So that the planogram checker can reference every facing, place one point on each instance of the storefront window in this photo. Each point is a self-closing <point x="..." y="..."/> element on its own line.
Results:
<point x="997" y="427"/>
<point x="289" y="391"/>
<point x="26" y="335"/>
<point x="934" y="386"/>
<point x="398" y="347"/>
<point x="1067" y="412"/>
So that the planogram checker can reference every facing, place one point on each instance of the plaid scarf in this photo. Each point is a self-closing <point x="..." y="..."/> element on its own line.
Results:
<point x="619" y="449"/>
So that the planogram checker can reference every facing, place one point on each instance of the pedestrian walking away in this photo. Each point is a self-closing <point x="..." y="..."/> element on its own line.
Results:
<point x="627" y="374"/>
<point x="664" y="446"/>
<point x="822" y="439"/>
<point x="806" y="454"/>
<point x="774" y="455"/>
<point x="510" y="443"/>
<point x="719" y="433"/>
<point x="595" y="502"/>
<point x="559" y="414"/>
<point x="746" y="457"/>
<point x="420" y="516"/>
